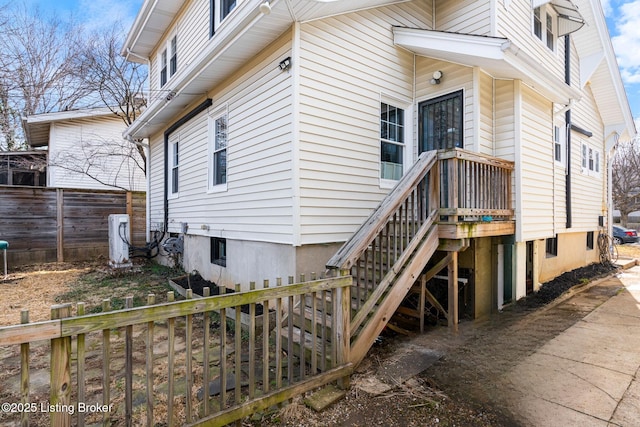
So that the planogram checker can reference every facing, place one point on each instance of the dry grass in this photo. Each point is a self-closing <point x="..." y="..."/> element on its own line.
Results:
<point x="629" y="251"/>
<point x="35" y="289"/>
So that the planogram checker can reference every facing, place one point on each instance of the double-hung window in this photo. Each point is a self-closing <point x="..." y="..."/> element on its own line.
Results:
<point x="174" y="56"/>
<point x="559" y="138"/>
<point x="392" y="141"/>
<point x="219" y="136"/>
<point x="220" y="9"/>
<point x="163" y="68"/>
<point x="174" y="164"/>
<point x="544" y="25"/>
<point x="168" y="61"/>
<point x="590" y="160"/>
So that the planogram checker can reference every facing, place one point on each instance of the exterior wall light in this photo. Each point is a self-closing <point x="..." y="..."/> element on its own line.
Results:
<point x="437" y="75"/>
<point x="285" y="64"/>
<point x="265" y="8"/>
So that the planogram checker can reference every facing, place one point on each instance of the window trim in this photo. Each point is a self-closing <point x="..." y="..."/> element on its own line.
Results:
<point x="540" y="26"/>
<point x="174" y="168"/>
<point x="559" y="144"/>
<point x="168" y="60"/>
<point x="407" y="152"/>
<point x="213" y="118"/>
<point x="590" y="160"/>
<point x="215" y="14"/>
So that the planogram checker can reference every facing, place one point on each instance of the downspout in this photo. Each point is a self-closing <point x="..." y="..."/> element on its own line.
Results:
<point x="567" y="115"/>
<point x="190" y="115"/>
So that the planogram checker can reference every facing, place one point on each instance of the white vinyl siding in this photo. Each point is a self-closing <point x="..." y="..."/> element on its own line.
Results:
<point x="515" y="22"/>
<point x="464" y="16"/>
<point x="504" y="125"/>
<point x="156" y="183"/>
<point x="76" y="138"/>
<point x="258" y="203"/>
<point x="588" y="189"/>
<point x="346" y="63"/>
<point x="537" y="195"/>
<point x="485" y="114"/>
<point x="191" y="27"/>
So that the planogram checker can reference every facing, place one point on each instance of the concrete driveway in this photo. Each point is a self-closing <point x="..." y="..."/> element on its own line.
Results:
<point x="588" y="375"/>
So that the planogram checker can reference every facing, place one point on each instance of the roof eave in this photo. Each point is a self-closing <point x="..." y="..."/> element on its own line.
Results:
<point x="497" y="56"/>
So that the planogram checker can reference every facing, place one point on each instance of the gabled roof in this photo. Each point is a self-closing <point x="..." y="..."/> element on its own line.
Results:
<point x="37" y="127"/>
<point x="599" y="69"/>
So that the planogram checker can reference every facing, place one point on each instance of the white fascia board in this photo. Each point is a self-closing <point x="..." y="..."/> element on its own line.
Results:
<point x="613" y="69"/>
<point x="460" y="44"/>
<point x="68" y="115"/>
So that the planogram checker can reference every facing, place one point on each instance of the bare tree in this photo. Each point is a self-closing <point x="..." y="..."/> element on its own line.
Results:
<point x="112" y="162"/>
<point x="117" y="82"/>
<point x="625" y="185"/>
<point x="37" y="68"/>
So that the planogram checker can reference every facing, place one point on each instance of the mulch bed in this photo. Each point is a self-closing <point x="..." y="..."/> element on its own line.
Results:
<point x="197" y="283"/>
<point x="556" y="287"/>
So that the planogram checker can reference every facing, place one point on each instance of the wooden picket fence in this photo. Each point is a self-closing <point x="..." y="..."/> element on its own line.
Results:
<point x="188" y="362"/>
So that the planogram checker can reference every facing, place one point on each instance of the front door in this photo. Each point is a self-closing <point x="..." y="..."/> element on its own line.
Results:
<point x="440" y="123"/>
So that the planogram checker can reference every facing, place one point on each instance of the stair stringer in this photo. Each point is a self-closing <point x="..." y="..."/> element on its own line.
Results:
<point x="388" y="305"/>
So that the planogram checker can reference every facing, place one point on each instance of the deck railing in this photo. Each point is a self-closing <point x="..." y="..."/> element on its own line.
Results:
<point x="189" y="362"/>
<point x="474" y="187"/>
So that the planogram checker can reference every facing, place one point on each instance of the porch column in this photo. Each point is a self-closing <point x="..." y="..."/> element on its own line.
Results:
<point x="453" y="292"/>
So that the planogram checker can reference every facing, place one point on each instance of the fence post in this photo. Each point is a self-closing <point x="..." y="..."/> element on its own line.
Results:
<point x="60" y="225"/>
<point x="24" y="371"/>
<point x="343" y="328"/>
<point x="60" y="395"/>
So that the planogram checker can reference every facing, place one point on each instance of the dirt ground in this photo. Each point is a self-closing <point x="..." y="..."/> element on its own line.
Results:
<point x="455" y="391"/>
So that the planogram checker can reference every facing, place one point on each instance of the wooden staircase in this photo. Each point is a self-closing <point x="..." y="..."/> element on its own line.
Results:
<point x="388" y="254"/>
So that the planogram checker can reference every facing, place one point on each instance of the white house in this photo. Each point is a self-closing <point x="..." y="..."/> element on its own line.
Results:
<point x="86" y="149"/>
<point x="275" y="129"/>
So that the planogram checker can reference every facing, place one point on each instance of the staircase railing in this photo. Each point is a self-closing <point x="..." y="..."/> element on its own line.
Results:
<point x="384" y="244"/>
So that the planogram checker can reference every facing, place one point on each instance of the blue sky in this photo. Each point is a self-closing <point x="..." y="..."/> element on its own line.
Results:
<point x="623" y="19"/>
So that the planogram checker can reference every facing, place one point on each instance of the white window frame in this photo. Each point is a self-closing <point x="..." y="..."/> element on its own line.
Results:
<point x="214" y="149"/>
<point x="168" y="60"/>
<point x="217" y="15"/>
<point x="546" y="16"/>
<point x="174" y="167"/>
<point x="590" y="160"/>
<point x="407" y="145"/>
<point x="559" y="144"/>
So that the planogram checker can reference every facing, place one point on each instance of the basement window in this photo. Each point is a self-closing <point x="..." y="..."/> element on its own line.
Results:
<point x="590" y="240"/>
<point x="219" y="251"/>
<point x="552" y="247"/>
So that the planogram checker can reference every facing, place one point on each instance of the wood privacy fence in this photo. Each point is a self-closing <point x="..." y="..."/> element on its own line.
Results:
<point x="178" y="362"/>
<point x="55" y="224"/>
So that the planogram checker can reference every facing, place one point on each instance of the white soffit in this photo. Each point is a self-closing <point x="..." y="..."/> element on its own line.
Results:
<point x="497" y="56"/>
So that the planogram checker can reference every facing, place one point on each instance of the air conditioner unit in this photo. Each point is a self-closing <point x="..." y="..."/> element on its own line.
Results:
<point x="119" y="238"/>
